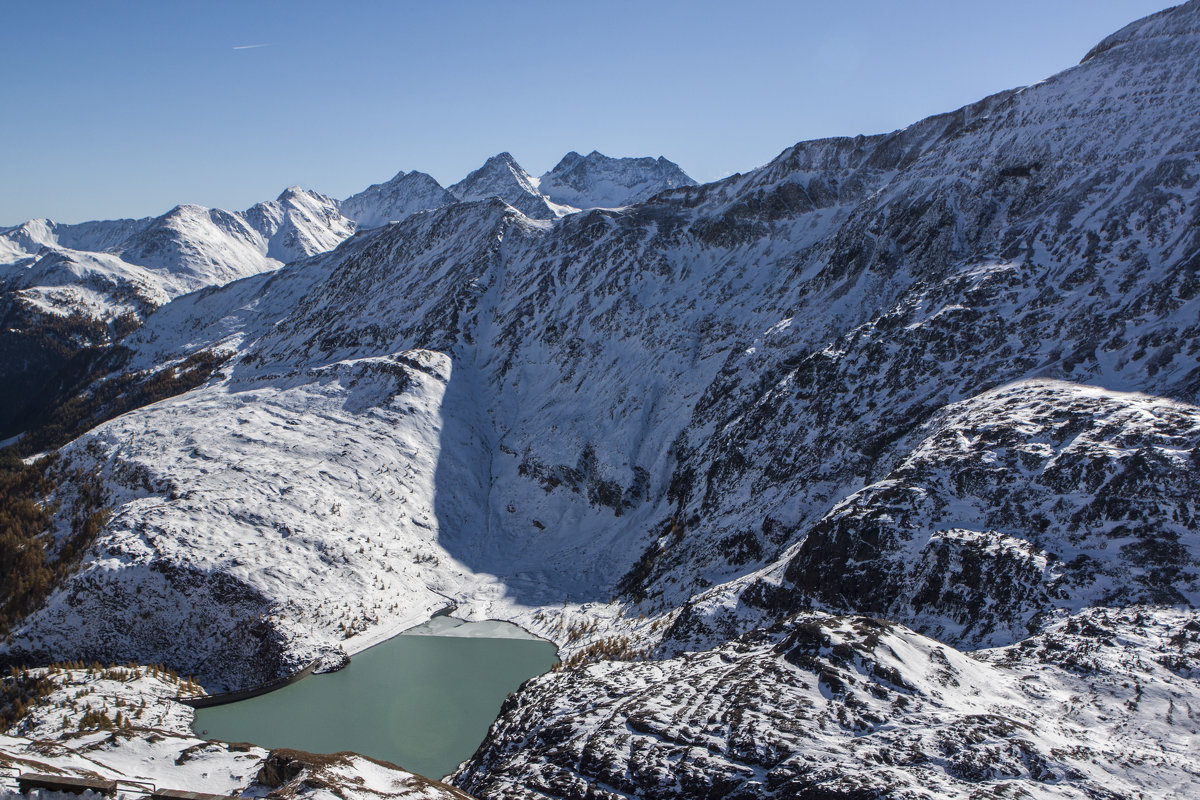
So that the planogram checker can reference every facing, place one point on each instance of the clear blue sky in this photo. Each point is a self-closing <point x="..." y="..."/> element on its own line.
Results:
<point x="119" y="109"/>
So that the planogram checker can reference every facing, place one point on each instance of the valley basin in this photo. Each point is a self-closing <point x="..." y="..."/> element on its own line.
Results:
<point x="423" y="699"/>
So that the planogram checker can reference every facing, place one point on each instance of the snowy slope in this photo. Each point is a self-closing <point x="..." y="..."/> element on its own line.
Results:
<point x="948" y="376"/>
<point x="405" y="194"/>
<point x="1009" y="509"/>
<point x="23" y="240"/>
<point x="825" y="706"/>
<point x="599" y="181"/>
<point x="299" y="223"/>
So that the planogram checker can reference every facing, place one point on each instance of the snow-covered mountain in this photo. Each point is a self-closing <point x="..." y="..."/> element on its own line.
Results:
<point x="19" y="242"/>
<point x="299" y="223"/>
<point x="405" y="194"/>
<point x="69" y="291"/>
<point x="822" y="706"/>
<point x="576" y="183"/>
<point x="868" y="473"/>
<point x="106" y="268"/>
<point x="501" y="176"/>
<point x="599" y="181"/>
<point x="109" y="267"/>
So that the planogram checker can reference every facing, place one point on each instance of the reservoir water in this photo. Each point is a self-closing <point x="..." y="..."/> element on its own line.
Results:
<point x="423" y="699"/>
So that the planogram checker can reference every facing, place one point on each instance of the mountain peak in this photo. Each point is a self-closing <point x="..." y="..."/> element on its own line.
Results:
<point x="501" y="166"/>
<point x="501" y="176"/>
<point x="1174" y="22"/>
<point x="298" y="194"/>
<point x="403" y="176"/>
<point x="405" y="194"/>
<point x="600" y="181"/>
<point x="568" y="162"/>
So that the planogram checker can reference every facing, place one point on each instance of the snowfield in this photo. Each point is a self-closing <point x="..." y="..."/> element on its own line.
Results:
<point x="853" y="706"/>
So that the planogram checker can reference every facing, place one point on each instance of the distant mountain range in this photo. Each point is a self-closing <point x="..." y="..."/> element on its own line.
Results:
<point x="108" y="267"/>
<point x="69" y="291"/>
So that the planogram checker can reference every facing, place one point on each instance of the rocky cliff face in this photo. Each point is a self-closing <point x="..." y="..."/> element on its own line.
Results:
<point x="598" y="181"/>
<point x="403" y="195"/>
<point x="501" y="176"/>
<point x="884" y="456"/>
<point x="843" y="707"/>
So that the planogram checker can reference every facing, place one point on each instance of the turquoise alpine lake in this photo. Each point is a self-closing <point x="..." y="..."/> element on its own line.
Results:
<point x="423" y="699"/>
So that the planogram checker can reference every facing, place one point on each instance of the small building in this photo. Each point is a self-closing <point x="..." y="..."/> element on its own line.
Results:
<point x="176" y="794"/>
<point x="65" y="783"/>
